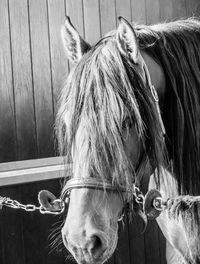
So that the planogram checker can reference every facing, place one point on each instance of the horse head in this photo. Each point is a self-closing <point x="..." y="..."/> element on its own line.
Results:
<point x="109" y="127"/>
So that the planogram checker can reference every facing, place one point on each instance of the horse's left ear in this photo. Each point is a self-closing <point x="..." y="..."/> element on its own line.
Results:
<point x="127" y="40"/>
<point x="75" y="46"/>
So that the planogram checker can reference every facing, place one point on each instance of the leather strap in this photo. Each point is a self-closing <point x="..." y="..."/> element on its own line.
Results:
<point x="89" y="183"/>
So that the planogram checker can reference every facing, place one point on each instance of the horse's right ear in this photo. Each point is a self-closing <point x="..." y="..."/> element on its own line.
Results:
<point x="75" y="46"/>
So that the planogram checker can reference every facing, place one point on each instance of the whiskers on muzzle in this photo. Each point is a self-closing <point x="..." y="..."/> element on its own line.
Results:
<point x="56" y="241"/>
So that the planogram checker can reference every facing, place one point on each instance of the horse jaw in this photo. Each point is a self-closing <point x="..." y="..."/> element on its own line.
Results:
<point x="90" y="232"/>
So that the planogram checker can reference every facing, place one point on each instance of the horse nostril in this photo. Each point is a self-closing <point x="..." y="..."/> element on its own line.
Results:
<point x="97" y="242"/>
<point x="96" y="246"/>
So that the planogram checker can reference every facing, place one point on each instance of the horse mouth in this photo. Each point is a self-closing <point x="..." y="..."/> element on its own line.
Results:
<point x="84" y="258"/>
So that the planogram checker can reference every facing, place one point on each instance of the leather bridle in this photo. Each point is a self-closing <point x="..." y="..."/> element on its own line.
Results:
<point x="95" y="184"/>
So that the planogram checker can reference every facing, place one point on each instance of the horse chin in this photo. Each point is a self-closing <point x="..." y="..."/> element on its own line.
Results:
<point x="85" y="258"/>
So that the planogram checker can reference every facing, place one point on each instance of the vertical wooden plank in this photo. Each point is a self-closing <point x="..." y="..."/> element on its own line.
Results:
<point x="123" y="8"/>
<point x="107" y="15"/>
<point x="138" y="11"/>
<point x="22" y="77"/>
<point x="59" y="65"/>
<point x="2" y="243"/>
<point x="166" y="10"/>
<point x="7" y="111"/>
<point x="152" y="250"/>
<point x="41" y="76"/>
<point x="136" y="240"/>
<point x="153" y="11"/>
<point x="32" y="232"/>
<point x="91" y="20"/>
<point x="162" y="247"/>
<point x="193" y="8"/>
<point x="122" y="253"/>
<point x="12" y="228"/>
<point x="74" y="9"/>
<point x="179" y="9"/>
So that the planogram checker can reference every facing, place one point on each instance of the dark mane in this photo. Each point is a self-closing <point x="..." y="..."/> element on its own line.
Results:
<point x="175" y="46"/>
<point x="104" y="89"/>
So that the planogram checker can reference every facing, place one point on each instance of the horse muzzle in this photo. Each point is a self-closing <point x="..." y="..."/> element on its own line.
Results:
<point x="95" y="248"/>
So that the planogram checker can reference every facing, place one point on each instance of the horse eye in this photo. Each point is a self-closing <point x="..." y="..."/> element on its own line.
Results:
<point x="127" y="123"/>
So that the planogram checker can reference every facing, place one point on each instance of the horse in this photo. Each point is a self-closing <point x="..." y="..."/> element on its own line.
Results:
<point x="130" y="113"/>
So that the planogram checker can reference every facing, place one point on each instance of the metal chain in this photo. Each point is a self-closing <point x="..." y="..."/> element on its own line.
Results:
<point x="139" y="197"/>
<point x="158" y="203"/>
<point x="6" y="201"/>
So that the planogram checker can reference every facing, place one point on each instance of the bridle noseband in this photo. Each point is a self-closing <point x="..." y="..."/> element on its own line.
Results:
<point x="132" y="195"/>
<point x="91" y="183"/>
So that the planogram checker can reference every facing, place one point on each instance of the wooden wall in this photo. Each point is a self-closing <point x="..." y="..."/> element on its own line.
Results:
<point x="32" y="69"/>
<point x="33" y="65"/>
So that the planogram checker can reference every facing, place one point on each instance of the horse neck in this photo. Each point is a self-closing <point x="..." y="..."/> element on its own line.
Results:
<point x="156" y="74"/>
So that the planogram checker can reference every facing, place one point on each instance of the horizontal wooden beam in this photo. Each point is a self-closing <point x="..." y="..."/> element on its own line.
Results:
<point x="32" y="170"/>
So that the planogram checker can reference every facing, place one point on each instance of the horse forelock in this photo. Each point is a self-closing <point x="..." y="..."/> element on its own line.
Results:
<point x="101" y="93"/>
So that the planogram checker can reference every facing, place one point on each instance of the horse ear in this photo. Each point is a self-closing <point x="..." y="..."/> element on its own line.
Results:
<point x="75" y="46"/>
<point x="127" y="40"/>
